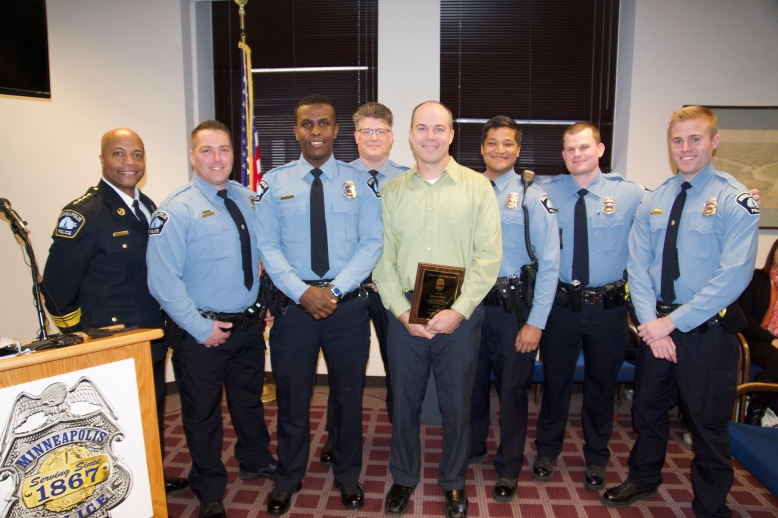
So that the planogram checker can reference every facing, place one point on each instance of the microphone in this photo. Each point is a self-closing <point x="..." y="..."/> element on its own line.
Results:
<point x="527" y="177"/>
<point x="13" y="217"/>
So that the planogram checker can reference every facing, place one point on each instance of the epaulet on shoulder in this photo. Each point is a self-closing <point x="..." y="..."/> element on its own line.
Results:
<point x="731" y="180"/>
<point x="176" y="192"/>
<point x="88" y="195"/>
<point x="239" y="185"/>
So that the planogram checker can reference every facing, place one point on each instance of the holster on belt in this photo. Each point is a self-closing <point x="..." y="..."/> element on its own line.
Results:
<point x="734" y="319"/>
<point x="511" y="293"/>
<point x="173" y="333"/>
<point x="529" y="273"/>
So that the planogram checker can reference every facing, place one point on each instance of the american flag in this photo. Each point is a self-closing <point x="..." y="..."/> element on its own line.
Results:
<point x="250" y="166"/>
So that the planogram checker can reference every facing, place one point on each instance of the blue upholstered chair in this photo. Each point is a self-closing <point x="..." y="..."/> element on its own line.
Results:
<point x="755" y="447"/>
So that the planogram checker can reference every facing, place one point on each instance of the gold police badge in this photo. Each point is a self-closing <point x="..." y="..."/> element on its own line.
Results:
<point x="349" y="189"/>
<point x="64" y="466"/>
<point x="711" y="205"/>
<point x="609" y="205"/>
<point x="512" y="200"/>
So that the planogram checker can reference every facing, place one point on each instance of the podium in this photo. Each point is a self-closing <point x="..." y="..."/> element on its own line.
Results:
<point x="80" y="432"/>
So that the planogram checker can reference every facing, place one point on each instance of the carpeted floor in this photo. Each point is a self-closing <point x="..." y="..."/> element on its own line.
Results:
<point x="564" y="496"/>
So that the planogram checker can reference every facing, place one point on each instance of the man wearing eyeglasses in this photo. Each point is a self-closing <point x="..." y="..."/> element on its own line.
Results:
<point x="373" y="122"/>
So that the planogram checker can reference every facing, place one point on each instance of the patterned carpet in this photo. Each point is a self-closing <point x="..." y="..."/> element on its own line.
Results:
<point x="564" y="496"/>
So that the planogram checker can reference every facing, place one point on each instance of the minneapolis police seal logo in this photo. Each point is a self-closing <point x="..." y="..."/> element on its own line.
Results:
<point x="70" y="222"/>
<point x="747" y="201"/>
<point x="158" y="223"/>
<point x="372" y="183"/>
<point x="546" y="202"/>
<point x="58" y="449"/>
<point x="261" y="191"/>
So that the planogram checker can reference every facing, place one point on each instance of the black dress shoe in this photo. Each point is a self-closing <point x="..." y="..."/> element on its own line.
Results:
<point x="624" y="495"/>
<point x="594" y="477"/>
<point x="456" y="504"/>
<point x="398" y="499"/>
<point x="543" y="469"/>
<point x="327" y="453"/>
<point x="353" y="497"/>
<point x="267" y="472"/>
<point x="212" y="510"/>
<point x="505" y="489"/>
<point x="279" y="502"/>
<point x="175" y="485"/>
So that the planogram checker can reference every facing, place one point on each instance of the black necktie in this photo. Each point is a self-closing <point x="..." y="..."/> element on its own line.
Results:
<point x="374" y="174"/>
<point x="580" y="241"/>
<point x="671" y="270"/>
<point x="320" y="257"/>
<point x="492" y="182"/>
<point x="139" y="213"/>
<point x="245" y="239"/>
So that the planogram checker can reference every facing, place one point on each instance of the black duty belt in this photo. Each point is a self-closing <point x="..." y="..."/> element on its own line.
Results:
<point x="662" y="310"/>
<point x="236" y="319"/>
<point x="589" y="296"/>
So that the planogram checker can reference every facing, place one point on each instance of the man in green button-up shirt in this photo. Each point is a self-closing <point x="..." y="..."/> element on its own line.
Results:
<point x="442" y="213"/>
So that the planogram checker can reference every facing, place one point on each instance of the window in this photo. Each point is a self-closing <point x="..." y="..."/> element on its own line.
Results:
<point x="545" y="64"/>
<point x="298" y="48"/>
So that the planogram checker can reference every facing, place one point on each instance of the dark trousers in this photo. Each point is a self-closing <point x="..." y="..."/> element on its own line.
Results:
<point x="158" y="363"/>
<point x="512" y="374"/>
<point x="380" y="320"/>
<point x="704" y="380"/>
<point x="236" y="367"/>
<point x="295" y="340"/>
<point x="453" y="358"/>
<point x="381" y="325"/>
<point x="602" y="333"/>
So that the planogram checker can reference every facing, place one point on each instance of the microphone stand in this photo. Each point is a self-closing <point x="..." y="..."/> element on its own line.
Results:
<point x="44" y="341"/>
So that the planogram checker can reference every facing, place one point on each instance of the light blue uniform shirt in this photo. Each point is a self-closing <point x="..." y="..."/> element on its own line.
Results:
<point x="387" y="171"/>
<point x="194" y="257"/>
<point x="717" y="241"/>
<point x="354" y="225"/>
<point x="544" y="236"/>
<point x="611" y="204"/>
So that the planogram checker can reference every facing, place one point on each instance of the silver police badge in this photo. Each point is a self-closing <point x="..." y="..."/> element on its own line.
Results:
<point x="512" y="200"/>
<point x="711" y="205"/>
<point x="609" y="205"/>
<point x="349" y="189"/>
<point x="57" y="448"/>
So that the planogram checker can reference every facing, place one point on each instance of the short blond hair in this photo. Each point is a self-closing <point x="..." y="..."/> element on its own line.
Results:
<point x="688" y="113"/>
<point x="578" y="127"/>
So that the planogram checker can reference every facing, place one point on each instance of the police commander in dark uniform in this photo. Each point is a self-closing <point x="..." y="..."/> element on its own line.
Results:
<point x="95" y="275"/>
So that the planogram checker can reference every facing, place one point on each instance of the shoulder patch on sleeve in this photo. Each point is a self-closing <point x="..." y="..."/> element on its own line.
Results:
<point x="262" y="189"/>
<point x="158" y="222"/>
<point x="373" y="184"/>
<point x="70" y="222"/>
<point x="747" y="201"/>
<point x="546" y="202"/>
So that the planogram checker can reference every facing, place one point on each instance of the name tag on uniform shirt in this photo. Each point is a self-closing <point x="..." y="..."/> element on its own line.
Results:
<point x="287" y="197"/>
<point x="121" y="233"/>
<point x="207" y="213"/>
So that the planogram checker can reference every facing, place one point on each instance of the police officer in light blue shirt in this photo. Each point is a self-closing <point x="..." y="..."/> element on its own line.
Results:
<point x="320" y="235"/>
<point x="509" y="338"/>
<point x="586" y="316"/>
<point x="203" y="270"/>
<point x="374" y="137"/>
<point x="680" y="285"/>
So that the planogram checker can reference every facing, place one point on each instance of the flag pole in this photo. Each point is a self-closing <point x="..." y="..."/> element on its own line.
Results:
<point x="269" y="388"/>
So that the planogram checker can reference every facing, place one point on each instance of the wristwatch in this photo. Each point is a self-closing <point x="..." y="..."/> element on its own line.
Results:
<point x="335" y="291"/>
